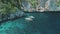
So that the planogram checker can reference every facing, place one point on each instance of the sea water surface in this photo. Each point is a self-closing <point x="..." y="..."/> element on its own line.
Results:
<point x="43" y="23"/>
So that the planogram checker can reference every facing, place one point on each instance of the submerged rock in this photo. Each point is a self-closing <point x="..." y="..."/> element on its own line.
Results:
<point x="18" y="13"/>
<point x="11" y="16"/>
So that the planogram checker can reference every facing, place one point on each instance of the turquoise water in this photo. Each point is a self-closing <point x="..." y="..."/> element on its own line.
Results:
<point x="43" y="23"/>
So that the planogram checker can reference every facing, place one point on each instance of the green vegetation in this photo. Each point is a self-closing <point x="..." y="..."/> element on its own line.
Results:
<point x="58" y="3"/>
<point x="9" y="6"/>
<point x="33" y="3"/>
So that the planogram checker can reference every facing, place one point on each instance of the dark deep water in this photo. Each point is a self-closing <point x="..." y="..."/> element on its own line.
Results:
<point x="43" y="23"/>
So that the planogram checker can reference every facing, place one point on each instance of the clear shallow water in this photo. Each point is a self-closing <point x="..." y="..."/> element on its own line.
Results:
<point x="44" y="23"/>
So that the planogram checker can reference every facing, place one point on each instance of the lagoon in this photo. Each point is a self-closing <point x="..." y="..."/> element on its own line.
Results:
<point x="43" y="23"/>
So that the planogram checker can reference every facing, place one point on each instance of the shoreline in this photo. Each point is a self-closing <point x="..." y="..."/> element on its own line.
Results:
<point x="10" y="19"/>
<point x="17" y="17"/>
<point x="18" y="14"/>
<point x="42" y="12"/>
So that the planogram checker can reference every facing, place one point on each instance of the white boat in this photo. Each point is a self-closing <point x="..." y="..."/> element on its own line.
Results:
<point x="30" y="18"/>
